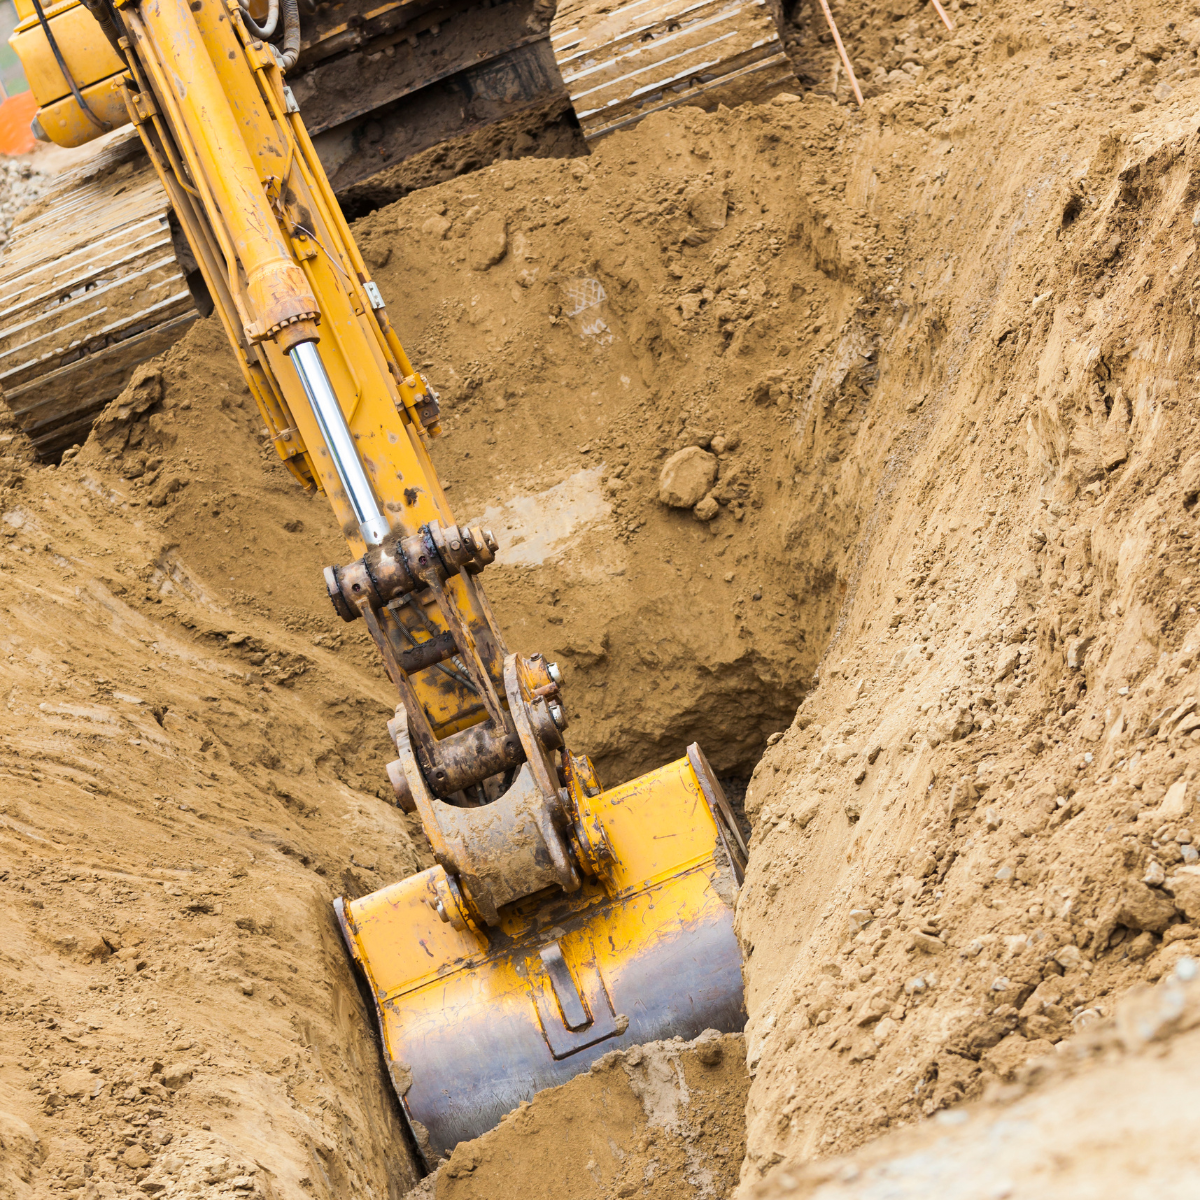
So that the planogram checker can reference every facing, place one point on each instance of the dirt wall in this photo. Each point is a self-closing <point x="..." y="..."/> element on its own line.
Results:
<point x="976" y="835"/>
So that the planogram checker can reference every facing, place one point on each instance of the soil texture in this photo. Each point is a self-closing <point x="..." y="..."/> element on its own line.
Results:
<point x="664" y="1120"/>
<point x="856" y="444"/>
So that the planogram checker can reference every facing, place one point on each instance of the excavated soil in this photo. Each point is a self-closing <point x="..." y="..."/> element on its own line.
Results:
<point x="657" y="1121"/>
<point x="941" y="351"/>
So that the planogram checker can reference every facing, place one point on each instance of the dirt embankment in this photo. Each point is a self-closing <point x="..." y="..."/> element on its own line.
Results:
<point x="977" y="834"/>
<point x="658" y="1121"/>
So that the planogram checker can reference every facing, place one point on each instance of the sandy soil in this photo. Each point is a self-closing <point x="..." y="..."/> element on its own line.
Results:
<point x="941" y="351"/>
<point x="660" y="1120"/>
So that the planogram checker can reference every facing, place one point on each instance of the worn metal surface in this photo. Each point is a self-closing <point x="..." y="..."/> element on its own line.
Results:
<point x="622" y="62"/>
<point x="474" y="1019"/>
<point x="90" y="287"/>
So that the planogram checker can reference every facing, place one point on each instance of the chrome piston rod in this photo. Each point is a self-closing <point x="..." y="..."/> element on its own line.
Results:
<point x="339" y="441"/>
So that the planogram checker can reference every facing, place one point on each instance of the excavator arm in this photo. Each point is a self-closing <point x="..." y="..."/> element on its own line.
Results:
<point x="561" y="920"/>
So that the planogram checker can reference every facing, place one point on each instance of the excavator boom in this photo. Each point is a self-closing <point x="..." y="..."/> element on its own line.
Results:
<point x="562" y="920"/>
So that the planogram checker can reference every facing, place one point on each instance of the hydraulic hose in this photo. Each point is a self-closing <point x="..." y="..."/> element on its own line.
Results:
<point x="261" y="31"/>
<point x="291" y="35"/>
<point x="102" y="125"/>
<point x="106" y="18"/>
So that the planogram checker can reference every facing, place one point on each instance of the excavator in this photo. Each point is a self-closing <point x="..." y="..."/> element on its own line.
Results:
<point x="562" y="919"/>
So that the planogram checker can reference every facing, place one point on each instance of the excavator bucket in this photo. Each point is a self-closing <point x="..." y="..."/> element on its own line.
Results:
<point x="475" y="1019"/>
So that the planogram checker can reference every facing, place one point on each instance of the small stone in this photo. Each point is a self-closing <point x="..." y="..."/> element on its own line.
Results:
<point x="706" y="509"/>
<point x="1155" y="876"/>
<point x="992" y="819"/>
<point x="1010" y="658"/>
<point x="1174" y="804"/>
<point x="436" y="227"/>
<point x="1141" y="947"/>
<point x="136" y="1157"/>
<point x="176" y="1075"/>
<point x="1179" y="933"/>
<point x="963" y="797"/>
<point x="488" y="241"/>
<point x="80" y="1082"/>
<point x="93" y="946"/>
<point x="860" y="918"/>
<point x="1162" y="90"/>
<point x="842" y="753"/>
<point x="686" y="477"/>
<point x="1077" y="649"/>
<point x="719" y="444"/>
<point x="166" y="489"/>
<point x="709" y="209"/>
<point x="1070" y="958"/>
<point x="863" y="1047"/>
<point x="914" y="986"/>
<point x="1143" y="909"/>
<point x="885" y="1029"/>
<point x="1012" y="1052"/>
<point x="709" y="1049"/>
<point x="1185" y="886"/>
<point x="927" y="943"/>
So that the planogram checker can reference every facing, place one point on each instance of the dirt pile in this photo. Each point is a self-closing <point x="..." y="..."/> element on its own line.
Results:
<point x="1085" y="1129"/>
<point x="663" y="1120"/>
<point x="589" y="319"/>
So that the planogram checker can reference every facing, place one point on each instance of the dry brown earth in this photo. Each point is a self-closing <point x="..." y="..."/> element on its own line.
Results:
<point x="941" y="349"/>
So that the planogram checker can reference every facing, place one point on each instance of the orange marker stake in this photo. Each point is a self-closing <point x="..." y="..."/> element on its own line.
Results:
<point x="842" y="51"/>
<point x="941" y="12"/>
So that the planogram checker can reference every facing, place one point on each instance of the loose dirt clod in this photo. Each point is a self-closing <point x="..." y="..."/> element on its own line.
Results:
<point x="662" y="1120"/>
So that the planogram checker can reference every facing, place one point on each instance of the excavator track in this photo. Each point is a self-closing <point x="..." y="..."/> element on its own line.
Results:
<point x="91" y="286"/>
<point x="622" y="63"/>
<point x="95" y="279"/>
